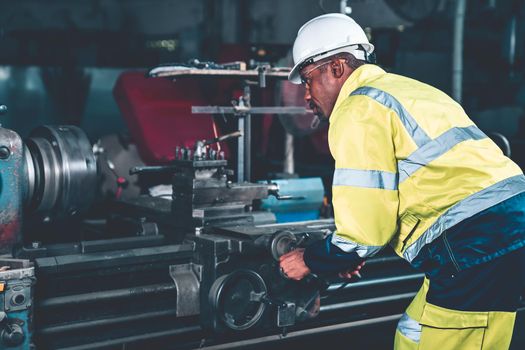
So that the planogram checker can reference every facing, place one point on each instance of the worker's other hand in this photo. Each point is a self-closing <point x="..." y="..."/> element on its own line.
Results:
<point x="292" y="265"/>
<point x="351" y="273"/>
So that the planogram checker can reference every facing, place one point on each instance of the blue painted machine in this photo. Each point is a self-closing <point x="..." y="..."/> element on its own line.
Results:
<point x="303" y="200"/>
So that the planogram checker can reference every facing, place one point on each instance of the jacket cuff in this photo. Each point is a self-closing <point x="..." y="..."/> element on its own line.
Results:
<point x="323" y="257"/>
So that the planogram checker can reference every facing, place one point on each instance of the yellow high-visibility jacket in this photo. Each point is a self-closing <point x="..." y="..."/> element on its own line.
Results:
<point x="409" y="164"/>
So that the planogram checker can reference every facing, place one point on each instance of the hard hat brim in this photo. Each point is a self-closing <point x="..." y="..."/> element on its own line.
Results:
<point x="294" y="76"/>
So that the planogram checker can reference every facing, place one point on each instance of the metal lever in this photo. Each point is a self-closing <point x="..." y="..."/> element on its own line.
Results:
<point x="288" y="198"/>
<point x="263" y="298"/>
<point x="237" y="133"/>
<point x="151" y="169"/>
<point x="273" y="189"/>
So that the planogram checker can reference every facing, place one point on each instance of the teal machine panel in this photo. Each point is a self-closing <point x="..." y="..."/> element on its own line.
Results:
<point x="306" y="198"/>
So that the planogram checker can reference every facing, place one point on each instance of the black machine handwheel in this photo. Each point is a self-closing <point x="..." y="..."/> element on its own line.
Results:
<point x="282" y="243"/>
<point x="236" y="299"/>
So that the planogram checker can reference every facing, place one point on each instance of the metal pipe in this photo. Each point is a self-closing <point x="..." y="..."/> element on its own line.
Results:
<point x="126" y="340"/>
<point x="251" y="110"/>
<point x="303" y="332"/>
<point x="288" y="166"/>
<point x="240" y="149"/>
<point x="373" y="282"/>
<point x="75" y="326"/>
<point x="248" y="148"/>
<point x="71" y="300"/>
<point x="363" y="302"/>
<point x="457" y="53"/>
<point x="130" y="257"/>
<point x="512" y="43"/>
<point x="342" y="6"/>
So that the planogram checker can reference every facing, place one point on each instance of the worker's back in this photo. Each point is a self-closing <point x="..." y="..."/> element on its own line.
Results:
<point x="446" y="169"/>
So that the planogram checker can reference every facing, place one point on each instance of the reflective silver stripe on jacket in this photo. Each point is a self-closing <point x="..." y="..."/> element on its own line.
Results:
<point x="409" y="327"/>
<point x="436" y="148"/>
<point x="466" y="208"/>
<point x="365" y="178"/>
<point x="349" y="246"/>
<point x="418" y="135"/>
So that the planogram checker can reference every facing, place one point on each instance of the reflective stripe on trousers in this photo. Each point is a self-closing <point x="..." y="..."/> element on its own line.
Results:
<point x="409" y="328"/>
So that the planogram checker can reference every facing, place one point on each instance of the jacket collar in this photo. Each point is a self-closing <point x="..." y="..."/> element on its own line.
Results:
<point x="357" y="79"/>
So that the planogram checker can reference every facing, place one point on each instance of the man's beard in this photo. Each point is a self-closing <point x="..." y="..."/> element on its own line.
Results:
<point x="318" y="112"/>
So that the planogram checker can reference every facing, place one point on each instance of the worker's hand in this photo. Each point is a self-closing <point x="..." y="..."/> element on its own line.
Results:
<point x="293" y="266"/>
<point x="349" y="274"/>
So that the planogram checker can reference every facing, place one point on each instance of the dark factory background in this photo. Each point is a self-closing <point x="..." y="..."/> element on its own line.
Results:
<point x="69" y="62"/>
<point x="60" y="59"/>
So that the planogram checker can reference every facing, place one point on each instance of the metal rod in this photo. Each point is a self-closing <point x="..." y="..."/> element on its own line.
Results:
<point x="457" y="52"/>
<point x="245" y="110"/>
<point x="248" y="147"/>
<point x="152" y="169"/>
<point x="237" y="133"/>
<point x="304" y="332"/>
<point x="75" y="326"/>
<point x="179" y="72"/>
<point x="106" y="295"/>
<point x="103" y="245"/>
<point x="374" y="282"/>
<point x="240" y="150"/>
<point x="289" y="165"/>
<point x="121" y="258"/>
<point x="135" y="338"/>
<point x="363" y="302"/>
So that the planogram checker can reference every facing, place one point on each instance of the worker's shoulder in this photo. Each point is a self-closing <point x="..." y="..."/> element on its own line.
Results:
<point x="358" y="109"/>
<point x="390" y="88"/>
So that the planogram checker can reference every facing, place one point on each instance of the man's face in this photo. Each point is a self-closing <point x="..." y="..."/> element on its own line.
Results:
<point x="322" y="88"/>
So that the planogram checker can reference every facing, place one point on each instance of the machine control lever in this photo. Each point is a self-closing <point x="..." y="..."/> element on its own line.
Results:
<point x="200" y="150"/>
<point x="273" y="189"/>
<point x="152" y="169"/>
<point x="234" y="134"/>
<point x="265" y="299"/>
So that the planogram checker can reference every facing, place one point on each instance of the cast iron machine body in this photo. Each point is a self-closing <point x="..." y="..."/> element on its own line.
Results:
<point x="193" y="266"/>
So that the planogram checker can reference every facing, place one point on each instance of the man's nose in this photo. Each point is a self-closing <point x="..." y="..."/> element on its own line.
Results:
<point x="307" y="95"/>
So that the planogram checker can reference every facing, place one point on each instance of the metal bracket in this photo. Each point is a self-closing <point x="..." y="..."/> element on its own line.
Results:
<point x="286" y="314"/>
<point x="187" y="279"/>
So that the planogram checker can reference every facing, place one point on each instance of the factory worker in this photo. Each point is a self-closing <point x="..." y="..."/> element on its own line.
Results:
<point x="413" y="171"/>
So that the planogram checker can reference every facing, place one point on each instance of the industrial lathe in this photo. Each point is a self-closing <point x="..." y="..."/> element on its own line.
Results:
<point x="192" y="262"/>
<point x="195" y="268"/>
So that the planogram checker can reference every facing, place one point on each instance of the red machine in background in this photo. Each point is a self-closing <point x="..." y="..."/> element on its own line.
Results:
<point x="158" y="113"/>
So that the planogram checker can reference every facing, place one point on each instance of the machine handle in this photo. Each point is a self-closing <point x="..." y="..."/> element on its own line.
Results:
<point x="288" y="198"/>
<point x="237" y="133"/>
<point x="273" y="189"/>
<point x="151" y="169"/>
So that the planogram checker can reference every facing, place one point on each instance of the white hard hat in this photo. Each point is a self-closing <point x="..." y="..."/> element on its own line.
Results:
<point x="325" y="36"/>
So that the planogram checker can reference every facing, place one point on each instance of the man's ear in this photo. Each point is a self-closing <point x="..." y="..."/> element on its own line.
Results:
<point x="338" y="68"/>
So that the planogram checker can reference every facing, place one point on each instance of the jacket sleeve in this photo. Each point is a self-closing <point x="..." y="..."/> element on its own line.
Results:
<point x="323" y="257"/>
<point x="365" y="183"/>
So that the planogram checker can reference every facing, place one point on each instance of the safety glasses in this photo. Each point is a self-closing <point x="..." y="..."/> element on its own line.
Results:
<point x="305" y="80"/>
